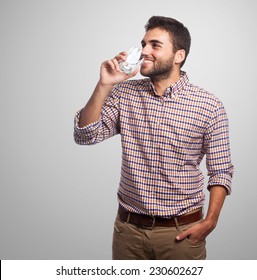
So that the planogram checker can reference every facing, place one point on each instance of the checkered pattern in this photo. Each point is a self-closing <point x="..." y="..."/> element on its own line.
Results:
<point x="164" y="139"/>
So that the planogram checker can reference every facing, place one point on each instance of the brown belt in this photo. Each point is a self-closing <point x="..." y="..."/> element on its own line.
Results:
<point x="151" y="221"/>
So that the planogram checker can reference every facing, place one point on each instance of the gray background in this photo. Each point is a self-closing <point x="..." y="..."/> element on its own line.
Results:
<point x="58" y="199"/>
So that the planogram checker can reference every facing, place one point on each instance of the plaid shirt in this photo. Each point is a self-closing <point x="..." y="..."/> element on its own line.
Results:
<point x="164" y="139"/>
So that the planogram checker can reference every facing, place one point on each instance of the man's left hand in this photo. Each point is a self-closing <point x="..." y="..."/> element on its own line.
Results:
<point x="197" y="233"/>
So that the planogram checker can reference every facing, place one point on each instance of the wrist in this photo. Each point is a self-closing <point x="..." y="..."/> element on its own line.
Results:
<point x="102" y="91"/>
<point x="103" y="86"/>
<point x="210" y="222"/>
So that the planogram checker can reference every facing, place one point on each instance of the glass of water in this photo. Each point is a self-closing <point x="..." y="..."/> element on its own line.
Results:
<point x="132" y="62"/>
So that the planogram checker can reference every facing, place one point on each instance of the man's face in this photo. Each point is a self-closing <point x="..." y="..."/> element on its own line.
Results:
<point x="157" y="51"/>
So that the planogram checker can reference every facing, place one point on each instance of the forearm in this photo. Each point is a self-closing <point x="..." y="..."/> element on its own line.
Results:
<point x="201" y="230"/>
<point x="110" y="75"/>
<point x="216" y="201"/>
<point x="92" y="111"/>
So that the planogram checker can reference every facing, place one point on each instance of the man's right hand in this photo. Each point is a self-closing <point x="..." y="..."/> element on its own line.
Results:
<point x="110" y="73"/>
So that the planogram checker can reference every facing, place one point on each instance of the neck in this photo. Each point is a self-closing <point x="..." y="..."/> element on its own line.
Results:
<point x="161" y="83"/>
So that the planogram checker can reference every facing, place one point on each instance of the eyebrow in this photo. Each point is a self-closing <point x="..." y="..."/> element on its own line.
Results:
<point x="152" y="41"/>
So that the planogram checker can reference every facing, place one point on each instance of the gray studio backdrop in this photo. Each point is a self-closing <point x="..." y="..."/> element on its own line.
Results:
<point x="58" y="199"/>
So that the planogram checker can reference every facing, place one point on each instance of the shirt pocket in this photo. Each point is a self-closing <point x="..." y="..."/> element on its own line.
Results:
<point x="182" y="150"/>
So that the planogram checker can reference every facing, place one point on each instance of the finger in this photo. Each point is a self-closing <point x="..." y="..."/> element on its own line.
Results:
<point x="116" y="64"/>
<point x="182" y="235"/>
<point x="121" y="56"/>
<point x="123" y="53"/>
<point x="112" y="64"/>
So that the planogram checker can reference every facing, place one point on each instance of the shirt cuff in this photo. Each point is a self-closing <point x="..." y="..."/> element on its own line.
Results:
<point x="221" y="180"/>
<point x="85" y="133"/>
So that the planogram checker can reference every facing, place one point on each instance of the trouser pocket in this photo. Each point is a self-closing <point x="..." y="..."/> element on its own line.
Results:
<point x="192" y="250"/>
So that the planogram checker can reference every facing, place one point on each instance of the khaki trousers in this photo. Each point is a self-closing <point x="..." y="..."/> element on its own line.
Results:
<point x="131" y="242"/>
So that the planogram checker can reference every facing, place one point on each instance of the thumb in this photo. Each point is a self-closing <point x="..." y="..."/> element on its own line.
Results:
<point x="182" y="235"/>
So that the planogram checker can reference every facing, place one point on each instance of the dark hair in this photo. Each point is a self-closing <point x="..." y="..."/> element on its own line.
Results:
<point x="179" y="34"/>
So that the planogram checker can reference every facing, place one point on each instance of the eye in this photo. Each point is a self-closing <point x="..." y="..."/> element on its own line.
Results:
<point x="155" y="45"/>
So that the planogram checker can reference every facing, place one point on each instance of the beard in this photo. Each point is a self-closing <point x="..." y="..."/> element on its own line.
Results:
<point x="160" y="70"/>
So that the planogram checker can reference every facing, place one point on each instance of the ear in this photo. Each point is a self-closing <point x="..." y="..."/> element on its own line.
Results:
<point x="179" y="56"/>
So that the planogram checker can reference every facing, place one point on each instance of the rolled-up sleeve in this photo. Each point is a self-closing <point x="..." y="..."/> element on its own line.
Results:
<point x="106" y="127"/>
<point x="217" y="146"/>
<point x="85" y="135"/>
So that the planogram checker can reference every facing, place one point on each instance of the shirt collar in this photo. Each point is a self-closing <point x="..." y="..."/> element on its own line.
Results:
<point x="177" y="87"/>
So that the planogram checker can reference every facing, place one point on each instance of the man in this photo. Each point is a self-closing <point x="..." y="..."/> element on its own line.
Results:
<point x="167" y="125"/>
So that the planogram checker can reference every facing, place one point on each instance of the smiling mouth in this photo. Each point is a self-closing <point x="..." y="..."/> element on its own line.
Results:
<point x="147" y="60"/>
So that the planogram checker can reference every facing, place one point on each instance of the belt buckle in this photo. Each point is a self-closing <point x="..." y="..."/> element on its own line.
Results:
<point x="153" y="223"/>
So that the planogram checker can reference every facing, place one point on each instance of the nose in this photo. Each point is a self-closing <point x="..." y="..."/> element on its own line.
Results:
<point x="145" y="50"/>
